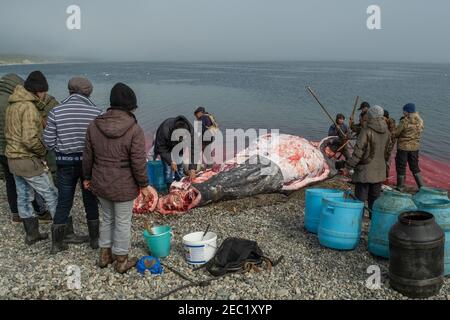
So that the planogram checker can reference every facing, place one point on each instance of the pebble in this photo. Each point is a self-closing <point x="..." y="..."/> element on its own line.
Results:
<point x="308" y="271"/>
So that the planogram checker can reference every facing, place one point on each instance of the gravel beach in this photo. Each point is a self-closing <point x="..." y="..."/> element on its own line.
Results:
<point x="308" y="271"/>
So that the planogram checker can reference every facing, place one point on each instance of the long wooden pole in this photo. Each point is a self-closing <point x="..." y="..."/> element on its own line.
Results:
<point x="325" y="110"/>
<point x="354" y="107"/>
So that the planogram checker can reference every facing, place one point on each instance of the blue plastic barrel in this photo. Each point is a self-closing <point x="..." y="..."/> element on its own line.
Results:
<point x="340" y="223"/>
<point x="155" y="173"/>
<point x="440" y="209"/>
<point x="429" y="194"/>
<point x="385" y="212"/>
<point x="313" y="207"/>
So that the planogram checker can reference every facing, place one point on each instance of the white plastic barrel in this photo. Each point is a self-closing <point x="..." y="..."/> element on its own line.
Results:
<point x="200" y="251"/>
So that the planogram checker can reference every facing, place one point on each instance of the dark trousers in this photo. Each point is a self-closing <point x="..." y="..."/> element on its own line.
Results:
<point x="68" y="177"/>
<point x="404" y="158"/>
<point x="11" y="193"/>
<point x="368" y="192"/>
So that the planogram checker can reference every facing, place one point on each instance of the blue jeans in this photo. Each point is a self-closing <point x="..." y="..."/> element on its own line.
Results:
<point x="26" y="187"/>
<point x="38" y="203"/>
<point x="68" y="177"/>
<point x="170" y="176"/>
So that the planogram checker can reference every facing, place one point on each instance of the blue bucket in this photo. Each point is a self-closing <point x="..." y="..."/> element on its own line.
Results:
<point x="340" y="223"/>
<point x="159" y="242"/>
<point x="313" y="207"/>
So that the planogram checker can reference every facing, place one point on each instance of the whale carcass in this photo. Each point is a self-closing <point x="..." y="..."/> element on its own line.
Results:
<point x="271" y="163"/>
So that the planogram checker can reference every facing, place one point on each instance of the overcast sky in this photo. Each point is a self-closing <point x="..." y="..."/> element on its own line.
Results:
<point x="228" y="30"/>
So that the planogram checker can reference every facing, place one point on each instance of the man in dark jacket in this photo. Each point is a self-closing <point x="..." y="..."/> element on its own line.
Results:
<point x="364" y="108"/>
<point x="115" y="169"/>
<point x="342" y="132"/>
<point x="369" y="157"/>
<point x="164" y="145"/>
<point x="7" y="85"/>
<point x="65" y="134"/>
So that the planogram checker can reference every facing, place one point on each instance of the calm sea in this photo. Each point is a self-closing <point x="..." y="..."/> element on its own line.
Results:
<point x="269" y="94"/>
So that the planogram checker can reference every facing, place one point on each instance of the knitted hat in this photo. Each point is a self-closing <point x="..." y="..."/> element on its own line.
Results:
<point x="375" y="112"/>
<point x="123" y="97"/>
<point x="81" y="86"/>
<point x="364" y="104"/>
<point x="36" y="82"/>
<point x="409" y="107"/>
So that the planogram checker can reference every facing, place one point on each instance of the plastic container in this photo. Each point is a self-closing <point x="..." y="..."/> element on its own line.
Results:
<point x="440" y="208"/>
<point x="416" y="245"/>
<point x="159" y="242"/>
<point x="313" y="207"/>
<point x="155" y="172"/>
<point x="200" y="251"/>
<point x="427" y="194"/>
<point x="340" y="223"/>
<point x="385" y="212"/>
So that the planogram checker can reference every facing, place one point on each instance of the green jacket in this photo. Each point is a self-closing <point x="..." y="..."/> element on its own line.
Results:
<point x="408" y="132"/>
<point x="7" y="85"/>
<point x="23" y="126"/>
<point x="371" y="152"/>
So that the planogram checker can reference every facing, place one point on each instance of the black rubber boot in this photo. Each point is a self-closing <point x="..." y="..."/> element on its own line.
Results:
<point x="58" y="244"/>
<point x="93" y="228"/>
<point x="71" y="237"/>
<point x="31" y="226"/>
<point x="401" y="183"/>
<point x="419" y="180"/>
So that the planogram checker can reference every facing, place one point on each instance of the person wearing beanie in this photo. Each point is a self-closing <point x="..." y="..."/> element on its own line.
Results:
<point x="65" y="135"/>
<point x="368" y="161"/>
<point x="408" y="134"/>
<point x="115" y="170"/>
<point x="26" y="153"/>
<point x="364" y="108"/>
<point x="7" y="85"/>
<point x="37" y="84"/>
<point x="342" y="135"/>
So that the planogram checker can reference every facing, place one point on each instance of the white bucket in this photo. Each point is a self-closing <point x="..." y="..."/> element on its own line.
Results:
<point x="200" y="251"/>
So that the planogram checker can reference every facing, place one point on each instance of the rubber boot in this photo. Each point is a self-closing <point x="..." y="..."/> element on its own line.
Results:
<point x="93" y="228"/>
<point x="123" y="263"/>
<point x="105" y="257"/>
<point x="419" y="180"/>
<point x="71" y="237"/>
<point x="31" y="226"/>
<point x="401" y="183"/>
<point x="58" y="233"/>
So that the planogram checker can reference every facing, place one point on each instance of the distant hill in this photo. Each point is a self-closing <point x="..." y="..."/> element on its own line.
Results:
<point x="6" y="59"/>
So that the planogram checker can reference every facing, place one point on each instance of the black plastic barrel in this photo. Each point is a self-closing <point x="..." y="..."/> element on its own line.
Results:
<point x="416" y="244"/>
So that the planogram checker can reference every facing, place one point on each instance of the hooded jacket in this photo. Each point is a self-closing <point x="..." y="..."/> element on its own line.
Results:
<point x="371" y="152"/>
<point x="7" y="85"/>
<point x="164" y="143"/>
<point x="409" y="131"/>
<point x="114" y="157"/>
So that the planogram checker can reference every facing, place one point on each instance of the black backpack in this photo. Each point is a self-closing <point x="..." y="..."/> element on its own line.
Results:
<point x="236" y="255"/>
